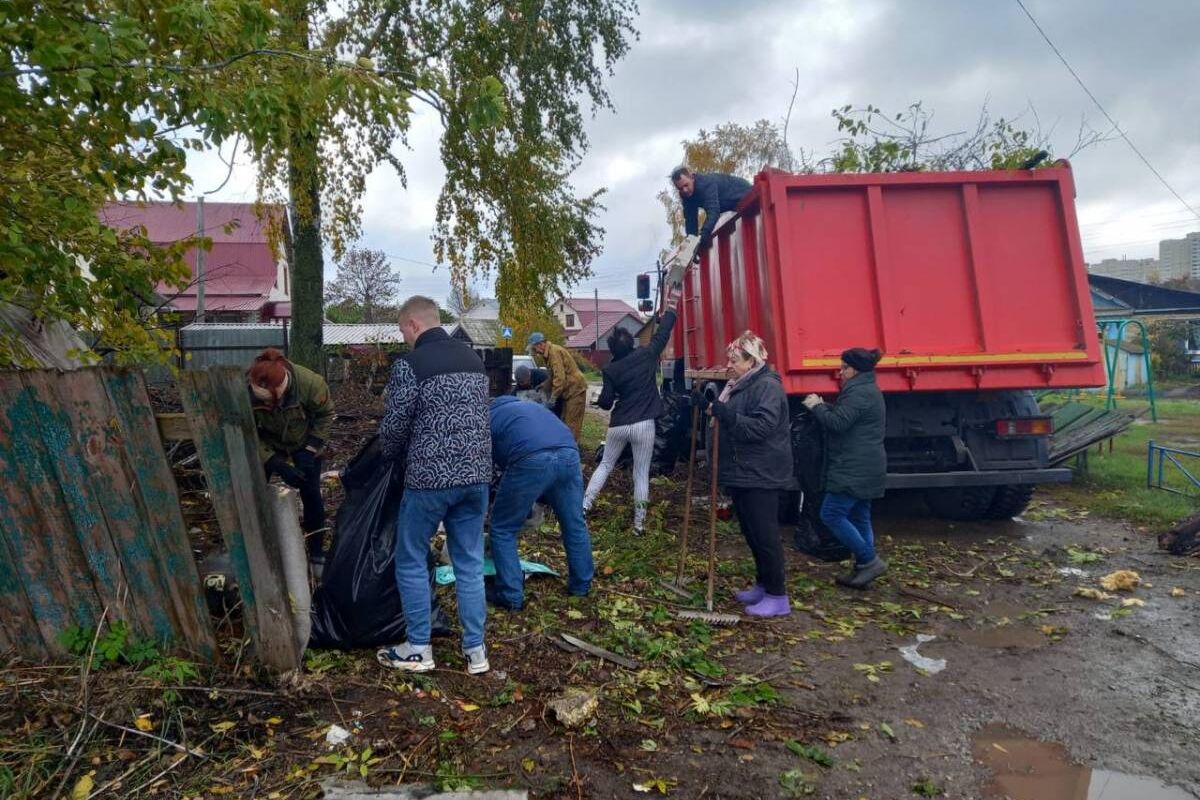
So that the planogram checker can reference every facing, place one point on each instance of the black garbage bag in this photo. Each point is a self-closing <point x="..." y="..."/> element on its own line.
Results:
<point x="358" y="603"/>
<point x="672" y="432"/>
<point x="808" y="450"/>
<point x="671" y="440"/>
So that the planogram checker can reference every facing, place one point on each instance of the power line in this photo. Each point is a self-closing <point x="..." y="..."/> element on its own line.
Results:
<point x="1107" y="116"/>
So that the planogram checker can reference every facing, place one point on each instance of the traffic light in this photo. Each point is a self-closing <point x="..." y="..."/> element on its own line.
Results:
<point x="643" y="286"/>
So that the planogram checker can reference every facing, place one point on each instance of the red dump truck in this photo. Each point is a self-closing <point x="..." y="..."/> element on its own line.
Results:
<point x="971" y="283"/>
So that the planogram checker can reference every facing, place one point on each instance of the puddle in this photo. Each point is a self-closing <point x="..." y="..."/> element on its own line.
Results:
<point x="1027" y="769"/>
<point x="1019" y="637"/>
<point x="1001" y="609"/>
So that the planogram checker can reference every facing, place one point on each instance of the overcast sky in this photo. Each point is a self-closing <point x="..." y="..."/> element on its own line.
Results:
<point x="702" y="62"/>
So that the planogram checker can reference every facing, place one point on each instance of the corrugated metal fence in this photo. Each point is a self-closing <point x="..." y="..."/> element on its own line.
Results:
<point x="228" y="345"/>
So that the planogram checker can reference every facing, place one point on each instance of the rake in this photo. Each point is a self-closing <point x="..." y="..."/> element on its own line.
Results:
<point x="708" y="615"/>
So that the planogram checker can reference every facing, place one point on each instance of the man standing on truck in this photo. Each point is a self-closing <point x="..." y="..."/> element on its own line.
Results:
<point x="566" y="381"/>
<point x="712" y="191"/>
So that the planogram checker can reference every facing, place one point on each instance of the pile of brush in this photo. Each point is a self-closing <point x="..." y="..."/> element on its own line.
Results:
<point x="1184" y="538"/>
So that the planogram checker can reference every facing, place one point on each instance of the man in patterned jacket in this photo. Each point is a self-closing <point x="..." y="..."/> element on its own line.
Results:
<point x="437" y="421"/>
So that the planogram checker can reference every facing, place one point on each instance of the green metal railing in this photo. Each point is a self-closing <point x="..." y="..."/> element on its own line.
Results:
<point x="1112" y="359"/>
<point x="1157" y="456"/>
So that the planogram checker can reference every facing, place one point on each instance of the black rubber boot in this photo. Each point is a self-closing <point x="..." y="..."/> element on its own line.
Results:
<point x="868" y="573"/>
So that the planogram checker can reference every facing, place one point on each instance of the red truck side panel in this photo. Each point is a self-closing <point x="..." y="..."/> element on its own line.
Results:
<point x="966" y="281"/>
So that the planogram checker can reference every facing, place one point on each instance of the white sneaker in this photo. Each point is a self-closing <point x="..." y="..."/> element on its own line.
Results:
<point x="477" y="661"/>
<point x="418" y="658"/>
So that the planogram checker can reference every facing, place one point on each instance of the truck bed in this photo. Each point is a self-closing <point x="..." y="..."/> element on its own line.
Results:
<point x="965" y="281"/>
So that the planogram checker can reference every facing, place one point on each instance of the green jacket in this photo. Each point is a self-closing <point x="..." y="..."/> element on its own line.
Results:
<point x="855" y="461"/>
<point x="302" y="417"/>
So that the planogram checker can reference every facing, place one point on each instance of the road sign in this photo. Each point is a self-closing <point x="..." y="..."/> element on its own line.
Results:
<point x="506" y="331"/>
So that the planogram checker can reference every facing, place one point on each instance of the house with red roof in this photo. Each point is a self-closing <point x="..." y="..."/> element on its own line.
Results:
<point x="246" y="276"/>
<point x="588" y="322"/>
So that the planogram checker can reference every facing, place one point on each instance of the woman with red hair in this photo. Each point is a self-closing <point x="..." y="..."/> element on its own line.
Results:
<point x="293" y="412"/>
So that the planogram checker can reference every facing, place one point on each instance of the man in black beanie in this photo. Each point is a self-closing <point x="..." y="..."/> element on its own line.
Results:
<point x="856" y="466"/>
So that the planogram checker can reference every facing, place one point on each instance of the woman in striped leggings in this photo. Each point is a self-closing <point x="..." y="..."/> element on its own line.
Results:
<point x="631" y="391"/>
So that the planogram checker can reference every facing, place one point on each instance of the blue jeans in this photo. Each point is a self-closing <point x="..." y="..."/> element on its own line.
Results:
<point x="462" y="509"/>
<point x="555" y="476"/>
<point x="849" y="519"/>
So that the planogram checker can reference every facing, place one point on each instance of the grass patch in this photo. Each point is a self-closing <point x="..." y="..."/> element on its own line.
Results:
<point x="594" y="428"/>
<point x="1115" y="482"/>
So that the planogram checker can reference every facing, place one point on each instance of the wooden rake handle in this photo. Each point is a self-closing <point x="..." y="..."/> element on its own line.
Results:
<point x="712" y="514"/>
<point x="687" y="499"/>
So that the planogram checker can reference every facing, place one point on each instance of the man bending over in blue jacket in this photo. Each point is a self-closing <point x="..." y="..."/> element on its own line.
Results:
<point x="539" y="457"/>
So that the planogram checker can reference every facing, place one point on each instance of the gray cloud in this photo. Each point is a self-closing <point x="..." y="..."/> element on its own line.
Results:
<point x="699" y="63"/>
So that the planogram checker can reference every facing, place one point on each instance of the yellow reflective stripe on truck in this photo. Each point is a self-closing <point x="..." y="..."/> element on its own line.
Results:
<point x="967" y="358"/>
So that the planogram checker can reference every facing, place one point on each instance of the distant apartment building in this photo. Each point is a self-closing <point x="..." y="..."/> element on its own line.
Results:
<point x="1180" y="258"/>
<point x="1141" y="270"/>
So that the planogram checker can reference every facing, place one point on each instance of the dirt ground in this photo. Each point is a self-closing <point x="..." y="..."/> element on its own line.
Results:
<point x="820" y="704"/>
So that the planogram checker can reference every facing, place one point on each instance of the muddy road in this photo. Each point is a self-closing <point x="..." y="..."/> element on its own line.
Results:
<point x="1043" y="694"/>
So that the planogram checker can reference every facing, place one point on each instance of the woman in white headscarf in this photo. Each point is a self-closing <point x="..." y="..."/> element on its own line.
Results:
<point x="756" y="466"/>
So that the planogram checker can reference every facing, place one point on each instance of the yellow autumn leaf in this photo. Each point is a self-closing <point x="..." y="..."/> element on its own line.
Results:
<point x="274" y="721"/>
<point x="468" y="706"/>
<point x="1178" y="592"/>
<point x="222" y="727"/>
<point x="83" y="787"/>
<point x="257" y="752"/>
<point x="143" y="723"/>
<point x="527" y="764"/>
<point x="914" y="723"/>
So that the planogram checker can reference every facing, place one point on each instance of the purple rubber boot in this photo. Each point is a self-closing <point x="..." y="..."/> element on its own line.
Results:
<point x="772" y="605"/>
<point x="749" y="597"/>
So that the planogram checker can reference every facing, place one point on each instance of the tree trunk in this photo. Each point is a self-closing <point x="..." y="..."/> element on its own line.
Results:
<point x="308" y="268"/>
<point x="308" y="275"/>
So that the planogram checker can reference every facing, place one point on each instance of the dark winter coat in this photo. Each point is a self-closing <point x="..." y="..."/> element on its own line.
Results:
<point x="301" y="418"/>
<point x="630" y="389"/>
<point x="855" y="461"/>
<point x="715" y="193"/>
<point x="436" y="417"/>
<point x="756" y="442"/>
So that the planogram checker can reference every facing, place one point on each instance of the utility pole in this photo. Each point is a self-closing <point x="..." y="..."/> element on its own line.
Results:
<point x="200" y="260"/>
<point x="596" y="295"/>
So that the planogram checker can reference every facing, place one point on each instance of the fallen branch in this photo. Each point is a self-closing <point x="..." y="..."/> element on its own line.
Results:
<point x="160" y="775"/>
<point x="1161" y="650"/>
<point x="917" y="594"/>
<point x="599" y="652"/>
<point x="575" y="779"/>
<point x="144" y="734"/>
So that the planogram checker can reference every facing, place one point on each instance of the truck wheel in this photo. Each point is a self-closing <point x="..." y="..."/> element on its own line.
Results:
<point x="1010" y="501"/>
<point x="961" y="503"/>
